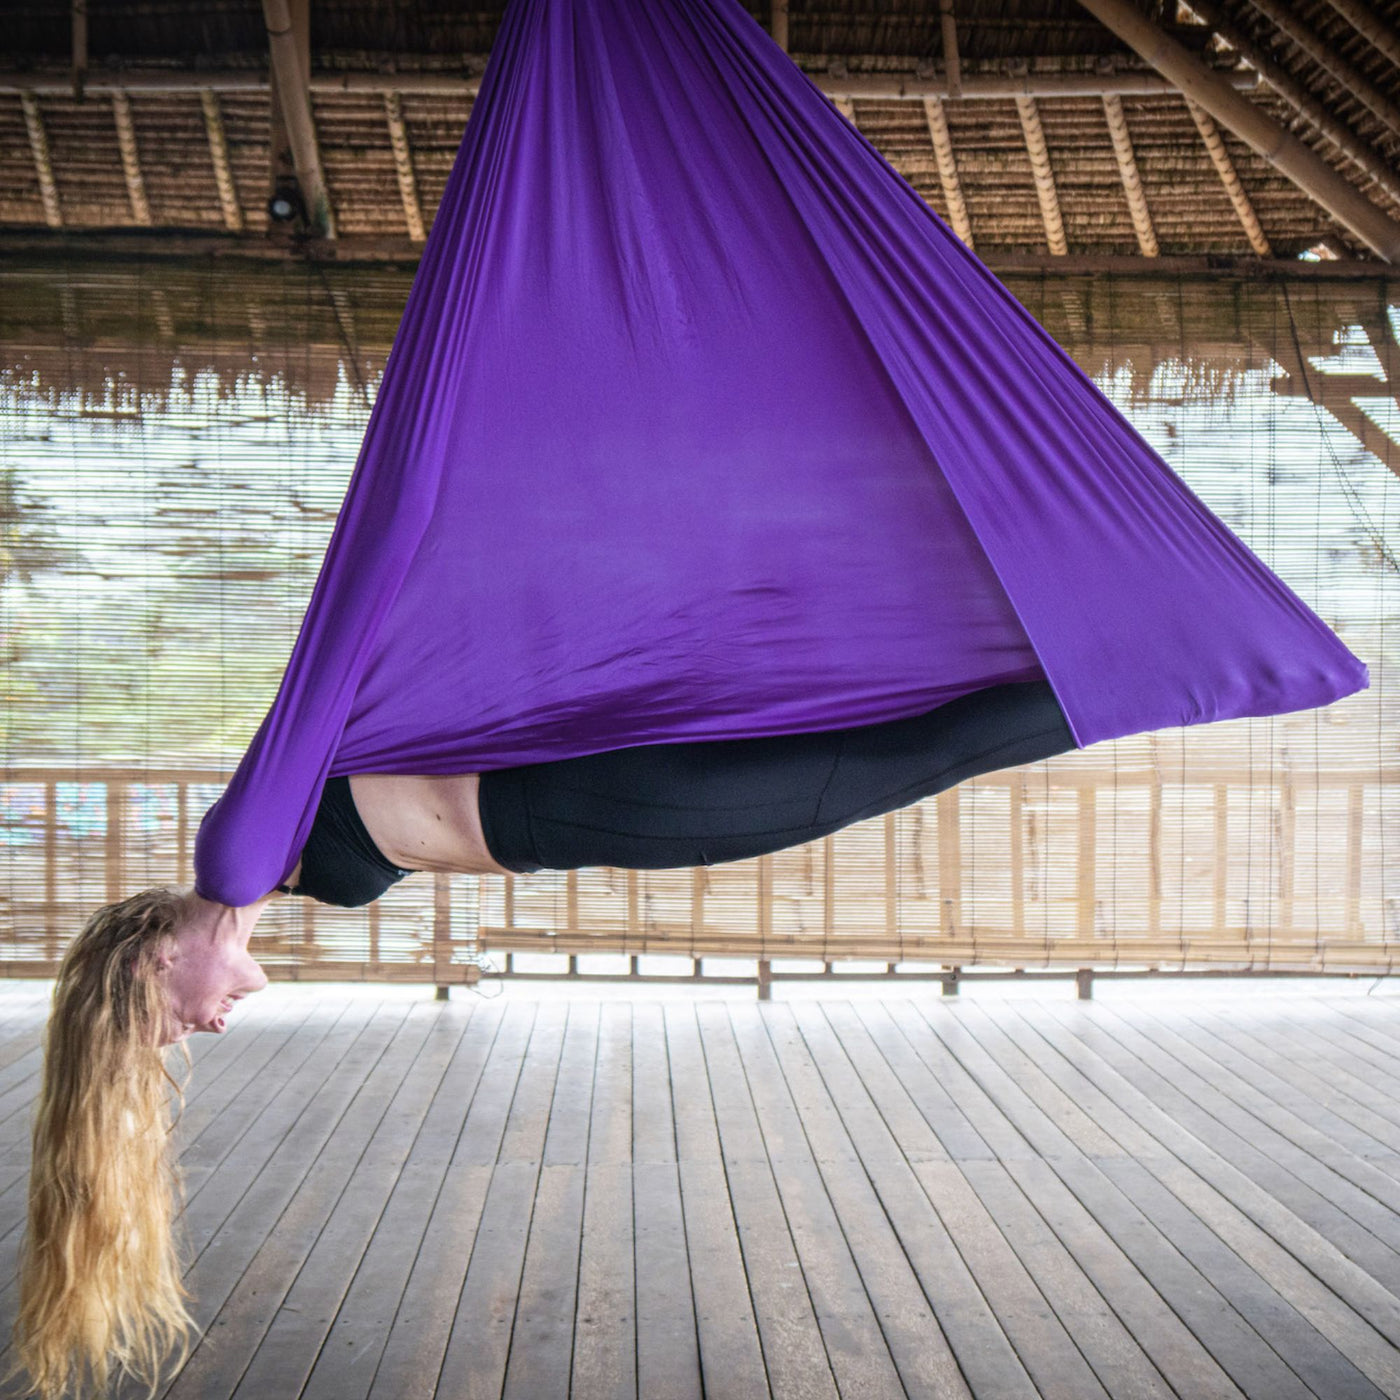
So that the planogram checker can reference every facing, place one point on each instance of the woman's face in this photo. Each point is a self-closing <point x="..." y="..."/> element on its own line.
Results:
<point x="204" y="978"/>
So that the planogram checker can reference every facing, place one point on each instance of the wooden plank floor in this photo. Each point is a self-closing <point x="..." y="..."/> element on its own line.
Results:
<point x="1001" y="1198"/>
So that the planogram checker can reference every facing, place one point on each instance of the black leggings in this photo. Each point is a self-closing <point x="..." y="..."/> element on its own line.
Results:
<point x="659" y="806"/>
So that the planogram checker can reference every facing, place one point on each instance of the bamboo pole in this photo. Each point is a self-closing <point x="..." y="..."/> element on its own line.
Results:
<point x="1128" y="173"/>
<point x="1258" y="130"/>
<point x="43" y="163"/>
<point x="947" y="168"/>
<point x="80" y="47"/>
<point x="952" y="60"/>
<point x="1043" y="175"/>
<point x="293" y="91"/>
<point x="1225" y="168"/>
<point x="888" y="87"/>
<point x="131" y="159"/>
<point x="403" y="166"/>
<point x="218" y="154"/>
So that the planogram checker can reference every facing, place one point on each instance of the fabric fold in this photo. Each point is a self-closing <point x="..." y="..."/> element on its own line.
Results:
<point x="700" y="424"/>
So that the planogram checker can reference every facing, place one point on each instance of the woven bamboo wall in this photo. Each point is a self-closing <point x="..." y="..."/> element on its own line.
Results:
<point x="174" y="440"/>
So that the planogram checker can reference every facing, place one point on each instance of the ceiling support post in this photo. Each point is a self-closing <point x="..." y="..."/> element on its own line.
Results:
<point x="289" y="69"/>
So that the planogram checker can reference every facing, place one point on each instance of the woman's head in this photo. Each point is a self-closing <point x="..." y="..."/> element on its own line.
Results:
<point x="205" y="967"/>
<point x="100" y="1276"/>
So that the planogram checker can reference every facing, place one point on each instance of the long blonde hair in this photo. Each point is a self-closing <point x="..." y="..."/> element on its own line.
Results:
<point x="100" y="1277"/>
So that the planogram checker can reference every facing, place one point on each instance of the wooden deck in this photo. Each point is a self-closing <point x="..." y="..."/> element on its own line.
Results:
<point x="1000" y="1198"/>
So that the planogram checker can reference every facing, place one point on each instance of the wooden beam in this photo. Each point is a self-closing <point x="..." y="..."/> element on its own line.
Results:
<point x="218" y="153"/>
<point x="778" y="22"/>
<point x="952" y="59"/>
<point x="1256" y="128"/>
<point x="401" y="251"/>
<point x="43" y="164"/>
<point x="1325" y="55"/>
<point x="948" y="169"/>
<point x="1360" y="153"/>
<point x="1225" y="167"/>
<point x="294" y="96"/>
<point x="1128" y="173"/>
<point x="131" y="159"/>
<point x="80" y="47"/>
<point x="403" y="166"/>
<point x="1044" y="176"/>
<point x="1381" y="35"/>
<point x="887" y="87"/>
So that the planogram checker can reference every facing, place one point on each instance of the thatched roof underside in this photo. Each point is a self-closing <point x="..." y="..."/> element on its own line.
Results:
<point x="175" y="128"/>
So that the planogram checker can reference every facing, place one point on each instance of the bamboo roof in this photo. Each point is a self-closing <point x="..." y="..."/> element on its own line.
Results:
<point x="1033" y="126"/>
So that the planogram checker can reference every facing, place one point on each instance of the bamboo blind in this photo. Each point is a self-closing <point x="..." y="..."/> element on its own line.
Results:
<point x="174" y="441"/>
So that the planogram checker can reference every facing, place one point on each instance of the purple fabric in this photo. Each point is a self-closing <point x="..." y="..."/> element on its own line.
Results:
<point x="700" y="424"/>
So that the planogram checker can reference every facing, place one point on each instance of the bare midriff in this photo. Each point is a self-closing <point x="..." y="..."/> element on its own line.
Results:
<point x="423" y="822"/>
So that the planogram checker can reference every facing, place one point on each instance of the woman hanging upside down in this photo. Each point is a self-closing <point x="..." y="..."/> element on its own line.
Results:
<point x="101" y="1283"/>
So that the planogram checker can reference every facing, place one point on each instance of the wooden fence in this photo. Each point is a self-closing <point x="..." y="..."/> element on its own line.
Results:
<point x="1060" y="865"/>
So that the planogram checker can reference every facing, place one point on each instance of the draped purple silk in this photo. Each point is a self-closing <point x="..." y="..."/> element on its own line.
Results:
<point x="700" y="424"/>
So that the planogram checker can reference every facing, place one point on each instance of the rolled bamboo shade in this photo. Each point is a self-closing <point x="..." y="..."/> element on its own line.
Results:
<point x="174" y="442"/>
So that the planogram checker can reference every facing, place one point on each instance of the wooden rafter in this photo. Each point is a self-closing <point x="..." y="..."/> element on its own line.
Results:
<point x="1325" y="55"/>
<point x="885" y="87"/>
<point x="218" y="153"/>
<point x="1361" y="154"/>
<point x="80" y="47"/>
<point x="1128" y="172"/>
<point x="43" y="164"/>
<point x="294" y="95"/>
<point x="1256" y="128"/>
<point x="952" y="59"/>
<point x="778" y="22"/>
<point x="948" y="169"/>
<point x="403" y="166"/>
<point x="1381" y="35"/>
<point x="1043" y="174"/>
<point x="1229" y="177"/>
<point x="131" y="159"/>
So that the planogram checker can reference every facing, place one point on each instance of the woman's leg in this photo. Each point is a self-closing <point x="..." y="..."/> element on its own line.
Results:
<point x="664" y="805"/>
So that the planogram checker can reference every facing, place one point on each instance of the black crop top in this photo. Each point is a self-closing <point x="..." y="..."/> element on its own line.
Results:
<point x="340" y="864"/>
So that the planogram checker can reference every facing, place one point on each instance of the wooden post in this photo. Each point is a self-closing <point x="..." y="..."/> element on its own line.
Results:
<point x="949" y="982"/>
<point x="116" y="839"/>
<point x="442" y="931"/>
<point x="182" y="833"/>
<point x="952" y="61"/>
<point x="291" y="74"/>
<point x="1355" y="813"/>
<point x="1084" y="983"/>
<point x="1221" y="856"/>
<point x="891" y="834"/>
<point x="1086" y="876"/>
<point x="51" y="868"/>
<point x="765" y="980"/>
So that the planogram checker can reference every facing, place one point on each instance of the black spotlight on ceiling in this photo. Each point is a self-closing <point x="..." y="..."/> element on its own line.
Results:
<point x="286" y="204"/>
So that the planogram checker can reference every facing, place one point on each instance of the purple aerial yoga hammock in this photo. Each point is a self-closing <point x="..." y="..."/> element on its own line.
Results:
<point x="700" y="424"/>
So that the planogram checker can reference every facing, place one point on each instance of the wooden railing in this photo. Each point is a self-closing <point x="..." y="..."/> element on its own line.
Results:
<point x="1062" y="865"/>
